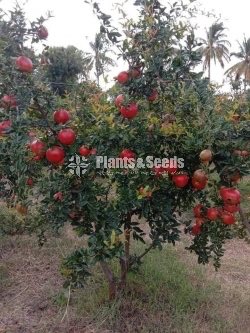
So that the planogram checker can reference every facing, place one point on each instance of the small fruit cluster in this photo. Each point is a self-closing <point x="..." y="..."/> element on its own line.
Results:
<point x="231" y="201"/>
<point x="130" y="110"/>
<point x="242" y="153"/>
<point x="199" y="179"/>
<point x="7" y="102"/>
<point x="23" y="63"/>
<point x="66" y="136"/>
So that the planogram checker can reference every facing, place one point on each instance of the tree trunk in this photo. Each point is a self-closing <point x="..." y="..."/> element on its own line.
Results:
<point x="124" y="261"/>
<point x="245" y="85"/>
<point x="209" y="70"/>
<point x="111" y="280"/>
<point x="127" y="246"/>
<point x="124" y="270"/>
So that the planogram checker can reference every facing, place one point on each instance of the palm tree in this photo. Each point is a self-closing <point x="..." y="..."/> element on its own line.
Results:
<point x="215" y="47"/>
<point x="242" y="68"/>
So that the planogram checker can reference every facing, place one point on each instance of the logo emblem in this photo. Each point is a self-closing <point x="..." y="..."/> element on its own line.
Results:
<point x="78" y="165"/>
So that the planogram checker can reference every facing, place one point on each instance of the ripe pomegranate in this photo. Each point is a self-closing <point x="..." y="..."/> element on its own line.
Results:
<point x="237" y="152"/>
<point x="73" y="215"/>
<point x="222" y="190"/>
<point x="61" y="116"/>
<point x="4" y="126"/>
<point x="198" y="210"/>
<point x="29" y="182"/>
<point x="230" y="195"/>
<point x="199" y="221"/>
<point x="200" y="176"/>
<point x="58" y="196"/>
<point x="153" y="96"/>
<point x="60" y="163"/>
<point x="24" y="64"/>
<point x="212" y="213"/>
<point x="227" y="218"/>
<point x="206" y="156"/>
<point x="42" y="32"/>
<point x="129" y="111"/>
<point x="66" y="136"/>
<point x="93" y="151"/>
<point x="245" y="153"/>
<point x="235" y="177"/>
<point x="180" y="180"/>
<point x="84" y="151"/>
<point x="198" y="185"/>
<point x="123" y="77"/>
<point x="9" y="101"/>
<point x="38" y="147"/>
<point x="135" y="73"/>
<point x="119" y="100"/>
<point x="196" y="230"/>
<point x="231" y="208"/>
<point x="55" y="154"/>
<point x="127" y="153"/>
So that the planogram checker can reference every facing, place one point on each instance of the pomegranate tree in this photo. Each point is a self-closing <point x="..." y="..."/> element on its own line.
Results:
<point x="163" y="110"/>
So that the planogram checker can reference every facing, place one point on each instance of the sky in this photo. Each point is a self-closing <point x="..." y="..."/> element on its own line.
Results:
<point x="75" y="24"/>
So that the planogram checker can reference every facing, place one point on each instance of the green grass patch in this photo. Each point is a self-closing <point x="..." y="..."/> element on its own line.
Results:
<point x="164" y="296"/>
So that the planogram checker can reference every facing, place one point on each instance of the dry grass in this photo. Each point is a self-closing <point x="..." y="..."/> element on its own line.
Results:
<point x="32" y="281"/>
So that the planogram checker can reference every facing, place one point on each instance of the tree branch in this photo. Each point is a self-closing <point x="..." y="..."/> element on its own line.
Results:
<point x="111" y="279"/>
<point x="146" y="251"/>
<point x="107" y="271"/>
<point x="151" y="246"/>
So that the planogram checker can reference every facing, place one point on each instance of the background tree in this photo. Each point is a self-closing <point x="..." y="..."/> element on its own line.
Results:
<point x="242" y="68"/>
<point x="215" y="47"/>
<point x="66" y="66"/>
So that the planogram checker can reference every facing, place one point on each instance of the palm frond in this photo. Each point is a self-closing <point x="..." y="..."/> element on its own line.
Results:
<point x="216" y="46"/>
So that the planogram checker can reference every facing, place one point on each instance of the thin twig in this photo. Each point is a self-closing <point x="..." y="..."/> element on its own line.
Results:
<point x="21" y="292"/>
